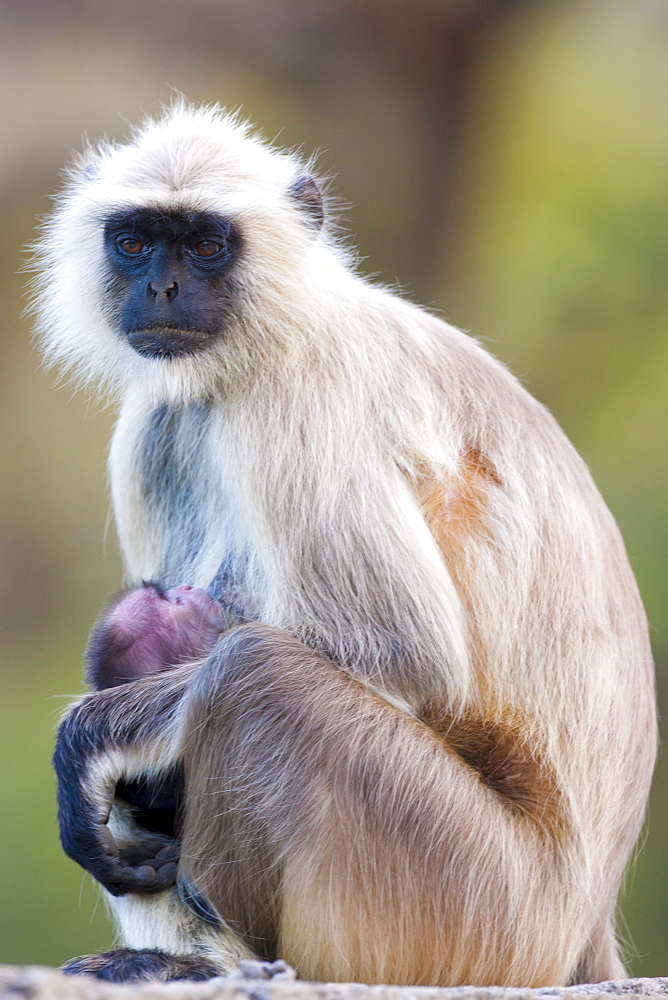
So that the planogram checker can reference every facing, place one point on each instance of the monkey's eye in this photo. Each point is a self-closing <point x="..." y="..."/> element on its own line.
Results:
<point x="132" y="247"/>
<point x="207" y="248"/>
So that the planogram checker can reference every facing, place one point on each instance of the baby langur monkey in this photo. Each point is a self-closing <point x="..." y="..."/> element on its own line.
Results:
<point x="148" y="629"/>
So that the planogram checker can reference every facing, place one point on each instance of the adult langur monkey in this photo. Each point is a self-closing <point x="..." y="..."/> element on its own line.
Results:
<point x="421" y="752"/>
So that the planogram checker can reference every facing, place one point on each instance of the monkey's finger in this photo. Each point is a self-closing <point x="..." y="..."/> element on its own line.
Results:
<point x="168" y="853"/>
<point x="107" y="842"/>
<point x="153" y="873"/>
<point x="151" y="851"/>
<point x="146" y="875"/>
<point x="133" y="856"/>
<point x="167" y="874"/>
<point x="121" y="878"/>
<point x="146" y="878"/>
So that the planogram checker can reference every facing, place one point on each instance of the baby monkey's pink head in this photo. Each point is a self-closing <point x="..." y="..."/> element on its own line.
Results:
<point x="148" y="629"/>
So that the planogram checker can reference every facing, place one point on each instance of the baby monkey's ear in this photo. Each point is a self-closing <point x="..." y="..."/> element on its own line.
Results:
<point x="306" y="193"/>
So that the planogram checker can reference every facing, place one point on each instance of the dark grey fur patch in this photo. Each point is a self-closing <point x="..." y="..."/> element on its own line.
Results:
<point x="225" y="588"/>
<point x="172" y="472"/>
<point x="307" y="195"/>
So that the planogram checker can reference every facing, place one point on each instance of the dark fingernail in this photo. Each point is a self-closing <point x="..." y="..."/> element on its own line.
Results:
<point x="167" y="872"/>
<point x="145" y="873"/>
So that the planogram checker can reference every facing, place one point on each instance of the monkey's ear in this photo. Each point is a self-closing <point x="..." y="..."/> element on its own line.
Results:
<point x="307" y="195"/>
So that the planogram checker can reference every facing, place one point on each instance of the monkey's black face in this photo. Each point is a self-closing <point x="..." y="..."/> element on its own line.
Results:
<point x="169" y="285"/>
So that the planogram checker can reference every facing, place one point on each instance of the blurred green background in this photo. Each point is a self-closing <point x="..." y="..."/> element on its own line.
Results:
<point x="505" y="162"/>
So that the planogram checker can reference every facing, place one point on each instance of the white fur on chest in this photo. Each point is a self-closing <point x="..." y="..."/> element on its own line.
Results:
<point x="172" y="480"/>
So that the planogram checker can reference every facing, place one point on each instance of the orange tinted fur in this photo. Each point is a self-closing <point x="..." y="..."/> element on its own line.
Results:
<point x="455" y="510"/>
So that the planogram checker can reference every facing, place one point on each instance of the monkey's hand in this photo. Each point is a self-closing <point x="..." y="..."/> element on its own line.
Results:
<point x="105" y="746"/>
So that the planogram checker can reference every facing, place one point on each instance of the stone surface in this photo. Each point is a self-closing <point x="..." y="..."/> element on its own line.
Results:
<point x="37" y="983"/>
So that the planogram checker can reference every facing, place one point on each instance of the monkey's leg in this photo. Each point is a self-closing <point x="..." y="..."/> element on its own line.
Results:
<point x="167" y="936"/>
<point x="121" y="742"/>
<point x="350" y="840"/>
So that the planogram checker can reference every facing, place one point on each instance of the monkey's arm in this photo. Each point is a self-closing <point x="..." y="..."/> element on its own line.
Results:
<point x="123" y="734"/>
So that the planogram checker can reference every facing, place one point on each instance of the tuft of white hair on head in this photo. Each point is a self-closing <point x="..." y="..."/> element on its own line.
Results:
<point x="192" y="158"/>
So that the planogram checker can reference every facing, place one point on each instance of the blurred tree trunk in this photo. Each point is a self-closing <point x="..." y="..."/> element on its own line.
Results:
<point x="437" y="47"/>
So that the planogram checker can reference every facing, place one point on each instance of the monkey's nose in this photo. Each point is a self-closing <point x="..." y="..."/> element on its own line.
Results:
<point x="168" y="290"/>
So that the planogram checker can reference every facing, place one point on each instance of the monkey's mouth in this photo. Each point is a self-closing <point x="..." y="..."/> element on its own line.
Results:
<point x="168" y="341"/>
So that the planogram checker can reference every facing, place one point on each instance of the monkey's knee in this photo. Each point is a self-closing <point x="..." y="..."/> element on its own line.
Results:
<point x="239" y="656"/>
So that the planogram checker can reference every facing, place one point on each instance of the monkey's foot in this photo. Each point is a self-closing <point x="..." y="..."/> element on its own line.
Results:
<point x="128" y="966"/>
